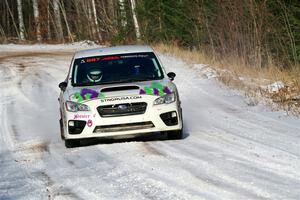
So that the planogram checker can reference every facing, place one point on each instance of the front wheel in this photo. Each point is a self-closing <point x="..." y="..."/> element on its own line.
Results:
<point x="175" y="135"/>
<point x="72" y="143"/>
<point x="61" y="129"/>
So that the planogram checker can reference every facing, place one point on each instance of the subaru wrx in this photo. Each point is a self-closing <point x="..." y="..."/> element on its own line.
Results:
<point x="118" y="92"/>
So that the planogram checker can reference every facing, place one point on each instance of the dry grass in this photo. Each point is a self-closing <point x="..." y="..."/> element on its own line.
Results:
<point x="232" y="68"/>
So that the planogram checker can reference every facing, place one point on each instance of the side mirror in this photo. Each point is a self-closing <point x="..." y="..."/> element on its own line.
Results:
<point x="63" y="86"/>
<point x="171" y="75"/>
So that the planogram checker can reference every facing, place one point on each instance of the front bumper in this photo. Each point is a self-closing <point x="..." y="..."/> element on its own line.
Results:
<point x="165" y="117"/>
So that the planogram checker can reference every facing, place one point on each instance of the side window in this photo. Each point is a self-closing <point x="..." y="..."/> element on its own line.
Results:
<point x="157" y="71"/>
<point x="69" y="72"/>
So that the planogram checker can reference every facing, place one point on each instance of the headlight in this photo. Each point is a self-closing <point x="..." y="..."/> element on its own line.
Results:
<point x="74" y="107"/>
<point x="169" y="98"/>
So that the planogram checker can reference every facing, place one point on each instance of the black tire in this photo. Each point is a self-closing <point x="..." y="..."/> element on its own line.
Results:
<point x="72" y="143"/>
<point x="175" y="135"/>
<point x="61" y="129"/>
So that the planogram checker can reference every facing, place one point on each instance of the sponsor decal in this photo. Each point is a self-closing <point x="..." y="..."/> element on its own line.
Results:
<point x="78" y="116"/>
<point x="88" y="60"/>
<point x="86" y="94"/>
<point x="111" y="58"/>
<point x="156" y="89"/>
<point x="96" y="59"/>
<point x="135" y="56"/>
<point x="120" y="98"/>
<point x="89" y="123"/>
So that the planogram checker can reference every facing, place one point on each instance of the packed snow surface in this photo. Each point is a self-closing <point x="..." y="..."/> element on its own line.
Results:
<point x="230" y="150"/>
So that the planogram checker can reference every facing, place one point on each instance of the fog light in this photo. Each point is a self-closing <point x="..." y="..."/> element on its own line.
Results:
<point x="170" y="118"/>
<point x="71" y="123"/>
<point x="174" y="114"/>
<point x="76" y="126"/>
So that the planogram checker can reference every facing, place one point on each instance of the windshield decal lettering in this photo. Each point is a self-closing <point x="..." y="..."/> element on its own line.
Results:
<point x="156" y="89"/>
<point x="96" y="59"/>
<point x="111" y="58"/>
<point x="135" y="56"/>
<point x="88" y="60"/>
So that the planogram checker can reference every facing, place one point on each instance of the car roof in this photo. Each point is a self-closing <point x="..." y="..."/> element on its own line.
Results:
<point x="124" y="49"/>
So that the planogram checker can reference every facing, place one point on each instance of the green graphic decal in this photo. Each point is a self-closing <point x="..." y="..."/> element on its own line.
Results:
<point x="156" y="89"/>
<point x="87" y="94"/>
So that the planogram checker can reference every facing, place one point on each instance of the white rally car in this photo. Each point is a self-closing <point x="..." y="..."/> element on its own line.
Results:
<point x="118" y="92"/>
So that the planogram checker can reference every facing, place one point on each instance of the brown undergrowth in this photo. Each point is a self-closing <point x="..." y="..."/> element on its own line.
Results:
<point x="253" y="81"/>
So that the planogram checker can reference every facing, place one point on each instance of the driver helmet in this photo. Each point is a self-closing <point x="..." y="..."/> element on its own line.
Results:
<point x="94" y="75"/>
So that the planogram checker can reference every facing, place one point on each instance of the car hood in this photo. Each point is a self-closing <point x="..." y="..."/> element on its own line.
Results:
<point x="88" y="93"/>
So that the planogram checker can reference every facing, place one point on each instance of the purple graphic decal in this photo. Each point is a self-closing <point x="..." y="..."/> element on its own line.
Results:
<point x="155" y="91"/>
<point x="88" y="94"/>
<point x="167" y="90"/>
<point x="142" y="91"/>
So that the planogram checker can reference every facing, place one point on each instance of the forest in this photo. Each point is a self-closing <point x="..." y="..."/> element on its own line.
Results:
<point x="259" y="32"/>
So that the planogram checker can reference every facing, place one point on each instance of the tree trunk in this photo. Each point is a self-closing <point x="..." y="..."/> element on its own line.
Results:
<point x="37" y="20"/>
<point x="135" y="21"/>
<point x="66" y="21"/>
<point x="96" y="20"/>
<point x="48" y="21"/>
<point x="111" y="10"/>
<point x="21" y="20"/>
<point x="123" y="13"/>
<point x="111" y="22"/>
<point x="4" y="38"/>
<point x="60" y="35"/>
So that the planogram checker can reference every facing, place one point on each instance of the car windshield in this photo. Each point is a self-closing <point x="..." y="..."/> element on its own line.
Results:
<point x="116" y="69"/>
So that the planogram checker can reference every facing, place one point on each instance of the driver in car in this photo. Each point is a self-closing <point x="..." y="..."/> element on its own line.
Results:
<point x="94" y="76"/>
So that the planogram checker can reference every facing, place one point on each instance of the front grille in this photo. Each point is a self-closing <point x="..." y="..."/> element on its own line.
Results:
<point x="123" y="127"/>
<point x="124" y="109"/>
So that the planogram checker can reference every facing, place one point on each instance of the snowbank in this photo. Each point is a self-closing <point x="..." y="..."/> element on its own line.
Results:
<point x="46" y="47"/>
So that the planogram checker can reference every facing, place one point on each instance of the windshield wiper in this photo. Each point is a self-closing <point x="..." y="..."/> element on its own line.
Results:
<point x="127" y="80"/>
<point x="82" y="84"/>
<point x="112" y="82"/>
<point x="139" y="79"/>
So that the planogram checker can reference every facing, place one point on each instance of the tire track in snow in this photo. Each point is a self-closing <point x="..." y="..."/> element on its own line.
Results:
<point x="217" y="161"/>
<point x="33" y="151"/>
<point x="11" y="55"/>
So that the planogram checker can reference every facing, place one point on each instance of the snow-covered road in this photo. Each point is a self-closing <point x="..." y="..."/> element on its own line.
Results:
<point x="230" y="151"/>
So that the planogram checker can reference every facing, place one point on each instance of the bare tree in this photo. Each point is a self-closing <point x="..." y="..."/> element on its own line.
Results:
<point x="123" y="13"/>
<point x="60" y="35"/>
<point x="111" y="9"/>
<point x="96" y="20"/>
<point x="37" y="20"/>
<point x="48" y="21"/>
<point x="135" y="21"/>
<point x="3" y="36"/>
<point x="21" y="20"/>
<point x="66" y="21"/>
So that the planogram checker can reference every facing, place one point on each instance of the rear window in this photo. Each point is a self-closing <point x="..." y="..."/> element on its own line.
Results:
<point x="120" y="68"/>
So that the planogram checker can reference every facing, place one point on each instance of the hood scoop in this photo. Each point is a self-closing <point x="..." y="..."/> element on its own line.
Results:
<point x="120" y="88"/>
